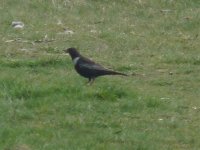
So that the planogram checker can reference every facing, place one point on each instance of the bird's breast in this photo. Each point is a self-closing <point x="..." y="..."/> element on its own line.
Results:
<point x="75" y="60"/>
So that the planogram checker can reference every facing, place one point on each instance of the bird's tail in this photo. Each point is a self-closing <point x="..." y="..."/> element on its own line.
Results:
<point x="110" y="72"/>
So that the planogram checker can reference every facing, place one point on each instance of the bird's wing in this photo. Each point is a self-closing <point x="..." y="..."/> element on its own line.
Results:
<point x="90" y="68"/>
<point x="89" y="64"/>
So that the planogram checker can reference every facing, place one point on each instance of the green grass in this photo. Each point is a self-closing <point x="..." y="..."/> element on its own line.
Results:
<point x="45" y="104"/>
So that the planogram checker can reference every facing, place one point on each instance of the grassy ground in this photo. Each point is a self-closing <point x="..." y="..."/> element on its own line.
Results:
<point x="45" y="105"/>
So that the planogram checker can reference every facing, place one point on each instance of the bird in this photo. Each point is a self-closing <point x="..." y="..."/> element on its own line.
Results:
<point x="88" y="68"/>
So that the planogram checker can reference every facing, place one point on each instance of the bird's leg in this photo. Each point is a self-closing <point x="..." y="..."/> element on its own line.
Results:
<point x="91" y="80"/>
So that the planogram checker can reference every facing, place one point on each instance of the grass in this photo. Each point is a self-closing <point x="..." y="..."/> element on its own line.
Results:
<point x="45" y="105"/>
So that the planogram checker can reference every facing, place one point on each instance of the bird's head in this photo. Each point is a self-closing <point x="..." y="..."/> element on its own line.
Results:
<point x="72" y="52"/>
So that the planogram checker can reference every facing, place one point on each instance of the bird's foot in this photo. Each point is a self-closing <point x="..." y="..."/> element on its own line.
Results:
<point x="90" y="82"/>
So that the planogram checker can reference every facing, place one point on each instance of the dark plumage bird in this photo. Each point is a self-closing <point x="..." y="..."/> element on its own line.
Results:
<point x="88" y="68"/>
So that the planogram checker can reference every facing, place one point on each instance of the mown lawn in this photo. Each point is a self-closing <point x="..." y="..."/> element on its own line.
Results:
<point x="46" y="105"/>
